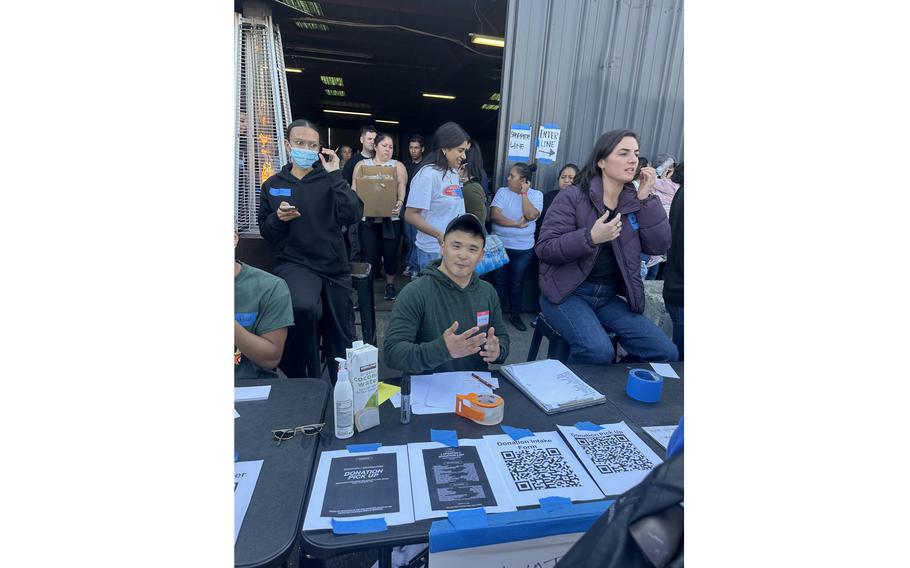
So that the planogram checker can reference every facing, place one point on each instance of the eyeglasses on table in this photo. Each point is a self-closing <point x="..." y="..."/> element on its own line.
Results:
<point x="284" y="434"/>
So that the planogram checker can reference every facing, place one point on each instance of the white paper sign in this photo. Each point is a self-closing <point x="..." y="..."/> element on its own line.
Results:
<point x="548" y="143"/>
<point x="520" y="142"/>
<point x="661" y="434"/>
<point x="540" y="466"/>
<point x="447" y="479"/>
<point x="664" y="370"/>
<point x="245" y="476"/>
<point x="616" y="458"/>
<point x="353" y="486"/>
<point x="250" y="394"/>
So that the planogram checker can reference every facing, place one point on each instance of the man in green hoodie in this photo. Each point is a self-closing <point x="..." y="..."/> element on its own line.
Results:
<point x="422" y="335"/>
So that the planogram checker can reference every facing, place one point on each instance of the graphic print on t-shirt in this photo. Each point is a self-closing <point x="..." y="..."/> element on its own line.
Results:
<point x="453" y="191"/>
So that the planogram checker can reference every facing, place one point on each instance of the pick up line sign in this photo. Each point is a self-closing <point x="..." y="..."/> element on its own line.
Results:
<point x="520" y="142"/>
<point x="548" y="143"/>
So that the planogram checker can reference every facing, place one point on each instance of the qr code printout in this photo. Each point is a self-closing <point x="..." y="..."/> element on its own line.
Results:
<point x="534" y="468"/>
<point x="611" y="451"/>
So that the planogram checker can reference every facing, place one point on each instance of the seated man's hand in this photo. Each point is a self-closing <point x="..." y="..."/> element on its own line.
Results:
<point x="490" y="351"/>
<point x="466" y="343"/>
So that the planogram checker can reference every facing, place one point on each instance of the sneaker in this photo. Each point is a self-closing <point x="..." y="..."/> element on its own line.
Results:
<point x="390" y="292"/>
<point x="515" y="320"/>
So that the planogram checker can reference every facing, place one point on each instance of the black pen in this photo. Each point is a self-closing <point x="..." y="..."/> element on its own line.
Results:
<point x="406" y="399"/>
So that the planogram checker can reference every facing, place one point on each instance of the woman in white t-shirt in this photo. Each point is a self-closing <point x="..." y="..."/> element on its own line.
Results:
<point x="436" y="197"/>
<point x="379" y="236"/>
<point x="513" y="213"/>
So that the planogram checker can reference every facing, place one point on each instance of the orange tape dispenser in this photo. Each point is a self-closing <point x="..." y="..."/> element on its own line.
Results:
<point x="486" y="409"/>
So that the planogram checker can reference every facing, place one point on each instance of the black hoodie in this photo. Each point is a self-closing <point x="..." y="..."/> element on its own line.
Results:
<point x="313" y="240"/>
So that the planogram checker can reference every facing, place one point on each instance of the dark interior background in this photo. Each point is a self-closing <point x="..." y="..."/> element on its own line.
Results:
<point x="386" y="68"/>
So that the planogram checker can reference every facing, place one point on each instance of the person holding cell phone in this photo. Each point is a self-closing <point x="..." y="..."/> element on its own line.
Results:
<point x="302" y="209"/>
<point x="589" y="249"/>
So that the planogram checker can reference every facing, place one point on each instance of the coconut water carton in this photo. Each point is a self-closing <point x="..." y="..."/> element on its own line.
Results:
<point x="363" y="368"/>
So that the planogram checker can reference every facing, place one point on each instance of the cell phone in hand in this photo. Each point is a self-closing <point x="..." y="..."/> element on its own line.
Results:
<point x="288" y="208"/>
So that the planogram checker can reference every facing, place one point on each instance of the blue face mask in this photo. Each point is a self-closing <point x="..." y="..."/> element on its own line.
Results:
<point x="303" y="158"/>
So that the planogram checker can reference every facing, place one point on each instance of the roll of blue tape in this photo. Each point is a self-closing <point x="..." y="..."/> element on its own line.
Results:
<point x="644" y="385"/>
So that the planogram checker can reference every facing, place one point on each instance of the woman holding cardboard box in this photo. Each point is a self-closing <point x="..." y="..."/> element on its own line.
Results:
<point x="378" y="180"/>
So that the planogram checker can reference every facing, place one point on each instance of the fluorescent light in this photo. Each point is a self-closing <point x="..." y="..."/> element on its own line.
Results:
<point x="293" y="70"/>
<point x="487" y="40"/>
<point x="311" y="26"/>
<point x="489" y="107"/>
<point x="387" y="121"/>
<point x="334" y="93"/>
<point x="435" y="96"/>
<point x="332" y="81"/>
<point x="346" y="112"/>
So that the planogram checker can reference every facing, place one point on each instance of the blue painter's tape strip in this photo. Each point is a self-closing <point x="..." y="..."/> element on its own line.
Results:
<point x="469" y="519"/>
<point x="447" y="437"/>
<point x="644" y="385"/>
<point x="235" y="456"/>
<point x="518" y="158"/>
<point x="588" y="426"/>
<point x="516" y="433"/>
<point x="280" y="191"/>
<point x="555" y="502"/>
<point x="520" y="525"/>
<point x="519" y="126"/>
<point x="353" y="448"/>
<point x="551" y="125"/>
<point x="359" y="527"/>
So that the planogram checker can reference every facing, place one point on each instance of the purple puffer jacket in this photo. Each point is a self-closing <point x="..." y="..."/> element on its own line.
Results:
<point x="567" y="252"/>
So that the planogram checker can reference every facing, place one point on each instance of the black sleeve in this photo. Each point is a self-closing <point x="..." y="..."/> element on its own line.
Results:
<point x="348" y="172"/>
<point x="348" y="206"/>
<point x="271" y="227"/>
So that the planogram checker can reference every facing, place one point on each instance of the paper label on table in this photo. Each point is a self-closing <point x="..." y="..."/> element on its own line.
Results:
<point x="661" y="434"/>
<point x="245" y="476"/>
<point x="250" y="394"/>
<point x="435" y="394"/>
<point x="540" y="466"/>
<point x="615" y="457"/>
<point x="236" y="414"/>
<point x="447" y="479"/>
<point x="387" y="391"/>
<point x="363" y="485"/>
<point x="395" y="399"/>
<point x="664" y="370"/>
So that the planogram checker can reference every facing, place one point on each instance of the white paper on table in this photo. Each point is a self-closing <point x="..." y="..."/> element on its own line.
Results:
<point x="236" y="414"/>
<point x="540" y="466"/>
<point x="494" y="491"/>
<point x="664" y="370"/>
<point x="661" y="434"/>
<point x="435" y="394"/>
<point x="245" y="476"/>
<point x="552" y="383"/>
<point x="615" y="456"/>
<point x="361" y="489"/>
<point x="250" y="394"/>
<point x="396" y="399"/>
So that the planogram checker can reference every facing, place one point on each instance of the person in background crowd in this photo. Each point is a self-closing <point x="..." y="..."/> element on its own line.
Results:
<point x="379" y="236"/>
<point x="664" y="187"/>
<point x="564" y="180"/>
<point x="302" y="209"/>
<point x="415" y="155"/>
<point x="262" y="316"/>
<point x="589" y="251"/>
<point x="673" y="273"/>
<point x="475" y="197"/>
<point x="449" y="319"/>
<point x="344" y="152"/>
<point x="514" y="210"/>
<point x="650" y="264"/>
<point x="436" y="197"/>
<point x="367" y="149"/>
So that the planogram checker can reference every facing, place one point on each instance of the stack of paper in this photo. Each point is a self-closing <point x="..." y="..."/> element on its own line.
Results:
<point x="249" y="394"/>
<point x="552" y="385"/>
<point x="435" y="394"/>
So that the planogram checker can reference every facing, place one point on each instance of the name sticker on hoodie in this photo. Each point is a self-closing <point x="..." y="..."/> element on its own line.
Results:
<point x="633" y="220"/>
<point x="483" y="318"/>
<point x="280" y="191"/>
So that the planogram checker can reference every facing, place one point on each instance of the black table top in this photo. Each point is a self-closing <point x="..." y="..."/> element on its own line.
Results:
<point x="519" y="412"/>
<point x="274" y="516"/>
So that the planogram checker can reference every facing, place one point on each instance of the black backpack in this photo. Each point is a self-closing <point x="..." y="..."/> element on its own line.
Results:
<point x="643" y="528"/>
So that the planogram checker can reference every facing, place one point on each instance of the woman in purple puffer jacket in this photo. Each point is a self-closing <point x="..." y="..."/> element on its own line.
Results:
<point x="589" y="249"/>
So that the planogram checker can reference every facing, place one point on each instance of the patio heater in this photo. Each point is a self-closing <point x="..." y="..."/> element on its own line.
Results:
<point x="262" y="113"/>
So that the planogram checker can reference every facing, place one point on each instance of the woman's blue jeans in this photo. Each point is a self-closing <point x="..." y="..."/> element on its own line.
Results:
<point x="585" y="317"/>
<point x="512" y="277"/>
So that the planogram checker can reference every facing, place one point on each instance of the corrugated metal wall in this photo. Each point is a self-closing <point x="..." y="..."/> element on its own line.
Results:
<point x="591" y="66"/>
